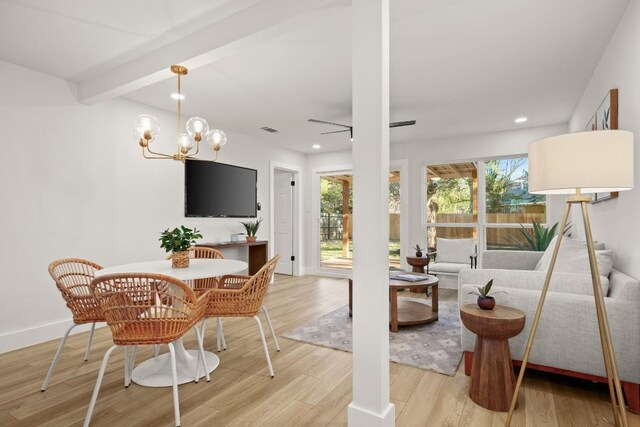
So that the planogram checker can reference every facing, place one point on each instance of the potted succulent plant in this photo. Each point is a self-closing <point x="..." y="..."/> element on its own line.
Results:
<point x="485" y="301"/>
<point x="418" y="250"/>
<point x="178" y="241"/>
<point x="252" y="229"/>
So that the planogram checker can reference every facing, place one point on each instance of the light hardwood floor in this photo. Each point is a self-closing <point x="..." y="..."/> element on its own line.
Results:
<point x="312" y="385"/>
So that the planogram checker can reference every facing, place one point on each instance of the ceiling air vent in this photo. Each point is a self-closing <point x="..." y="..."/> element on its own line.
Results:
<point x="268" y="129"/>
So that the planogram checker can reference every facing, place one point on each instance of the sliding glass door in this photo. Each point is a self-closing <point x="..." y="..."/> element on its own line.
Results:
<point x="336" y="223"/>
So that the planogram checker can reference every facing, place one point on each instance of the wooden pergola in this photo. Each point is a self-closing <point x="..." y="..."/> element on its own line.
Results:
<point x="346" y="182"/>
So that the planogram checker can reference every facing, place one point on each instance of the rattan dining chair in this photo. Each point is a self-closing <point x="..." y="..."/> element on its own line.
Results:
<point x="200" y="252"/>
<point x="72" y="277"/>
<point x="246" y="301"/>
<point x="202" y="285"/>
<point x="147" y="309"/>
<point x="237" y="281"/>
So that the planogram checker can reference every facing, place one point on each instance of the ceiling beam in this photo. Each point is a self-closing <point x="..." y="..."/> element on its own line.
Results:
<point x="261" y="21"/>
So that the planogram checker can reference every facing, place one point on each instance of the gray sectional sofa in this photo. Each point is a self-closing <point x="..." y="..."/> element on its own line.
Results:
<point x="567" y="340"/>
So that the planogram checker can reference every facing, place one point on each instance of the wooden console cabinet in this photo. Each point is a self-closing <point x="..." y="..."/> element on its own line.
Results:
<point x="258" y="252"/>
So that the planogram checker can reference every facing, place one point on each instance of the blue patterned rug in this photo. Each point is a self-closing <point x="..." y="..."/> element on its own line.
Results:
<point x="435" y="346"/>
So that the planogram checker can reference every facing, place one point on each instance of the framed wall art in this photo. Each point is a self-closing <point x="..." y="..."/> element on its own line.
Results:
<point x="605" y="118"/>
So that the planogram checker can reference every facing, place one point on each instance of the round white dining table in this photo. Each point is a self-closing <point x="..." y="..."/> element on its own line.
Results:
<point x="156" y="372"/>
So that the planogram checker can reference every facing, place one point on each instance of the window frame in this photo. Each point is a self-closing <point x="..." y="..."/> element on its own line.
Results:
<point x="481" y="223"/>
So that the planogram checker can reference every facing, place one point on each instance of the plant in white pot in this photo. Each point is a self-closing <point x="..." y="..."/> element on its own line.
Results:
<point x="178" y="241"/>
<point x="252" y="228"/>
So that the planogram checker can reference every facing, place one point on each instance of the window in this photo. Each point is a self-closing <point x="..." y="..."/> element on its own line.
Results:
<point x="452" y="202"/>
<point x="509" y="204"/>
<point x="507" y="210"/>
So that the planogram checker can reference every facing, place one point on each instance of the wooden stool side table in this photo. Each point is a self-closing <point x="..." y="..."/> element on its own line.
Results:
<point x="492" y="379"/>
<point x="417" y="266"/>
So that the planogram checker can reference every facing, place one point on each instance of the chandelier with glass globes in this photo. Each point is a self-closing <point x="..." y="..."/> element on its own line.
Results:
<point x="146" y="130"/>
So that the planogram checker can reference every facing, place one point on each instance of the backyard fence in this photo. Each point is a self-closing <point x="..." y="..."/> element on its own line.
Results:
<point x="331" y="226"/>
<point x="496" y="237"/>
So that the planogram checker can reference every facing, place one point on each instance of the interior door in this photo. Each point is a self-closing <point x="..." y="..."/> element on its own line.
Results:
<point x="283" y="221"/>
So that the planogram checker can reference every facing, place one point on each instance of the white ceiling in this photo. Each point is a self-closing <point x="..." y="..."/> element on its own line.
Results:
<point x="457" y="66"/>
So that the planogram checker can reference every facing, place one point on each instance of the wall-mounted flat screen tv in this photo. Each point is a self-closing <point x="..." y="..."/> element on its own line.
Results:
<point x="215" y="189"/>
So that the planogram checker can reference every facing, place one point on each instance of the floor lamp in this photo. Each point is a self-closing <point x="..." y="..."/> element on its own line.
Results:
<point x="574" y="164"/>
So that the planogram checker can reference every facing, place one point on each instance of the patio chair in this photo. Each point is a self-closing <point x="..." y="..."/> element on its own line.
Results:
<point x="451" y="257"/>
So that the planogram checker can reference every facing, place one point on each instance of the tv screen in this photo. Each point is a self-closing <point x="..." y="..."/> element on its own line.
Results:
<point x="217" y="190"/>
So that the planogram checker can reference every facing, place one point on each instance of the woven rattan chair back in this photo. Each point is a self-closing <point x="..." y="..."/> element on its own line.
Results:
<point x="246" y="301"/>
<point x="72" y="277"/>
<point x="200" y="252"/>
<point x="144" y="308"/>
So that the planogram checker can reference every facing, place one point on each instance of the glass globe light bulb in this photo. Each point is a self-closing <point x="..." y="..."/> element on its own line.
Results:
<point x="197" y="127"/>
<point x="185" y="144"/>
<point x="146" y="126"/>
<point x="216" y="138"/>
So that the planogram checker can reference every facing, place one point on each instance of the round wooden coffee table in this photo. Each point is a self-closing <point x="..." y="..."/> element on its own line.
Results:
<point x="492" y="380"/>
<point x="404" y="311"/>
<point x="407" y="312"/>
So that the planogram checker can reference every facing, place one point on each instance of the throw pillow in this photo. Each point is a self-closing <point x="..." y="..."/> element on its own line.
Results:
<point x="574" y="258"/>
<point x="454" y="250"/>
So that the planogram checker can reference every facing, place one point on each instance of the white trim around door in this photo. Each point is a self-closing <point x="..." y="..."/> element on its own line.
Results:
<point x="314" y="226"/>
<point x="296" y="172"/>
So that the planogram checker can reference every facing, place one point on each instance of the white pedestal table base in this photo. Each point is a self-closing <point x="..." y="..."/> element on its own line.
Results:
<point x="156" y="372"/>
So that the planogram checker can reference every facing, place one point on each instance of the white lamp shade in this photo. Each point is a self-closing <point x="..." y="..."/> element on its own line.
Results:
<point x="598" y="161"/>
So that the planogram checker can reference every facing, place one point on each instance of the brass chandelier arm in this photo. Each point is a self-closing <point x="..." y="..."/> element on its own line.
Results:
<point x="179" y="105"/>
<point x="197" y="149"/>
<point x="157" y="155"/>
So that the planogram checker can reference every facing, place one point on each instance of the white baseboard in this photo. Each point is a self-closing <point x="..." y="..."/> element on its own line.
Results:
<point x="38" y="334"/>
<point x="359" y="417"/>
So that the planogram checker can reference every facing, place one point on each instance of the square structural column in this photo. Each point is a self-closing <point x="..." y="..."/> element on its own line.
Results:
<point x="371" y="405"/>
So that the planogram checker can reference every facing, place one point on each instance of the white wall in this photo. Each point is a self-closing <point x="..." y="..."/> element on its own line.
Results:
<point x="460" y="148"/>
<point x="615" y="222"/>
<point x="74" y="184"/>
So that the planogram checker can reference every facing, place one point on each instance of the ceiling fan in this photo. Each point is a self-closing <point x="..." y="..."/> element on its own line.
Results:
<point x="350" y="128"/>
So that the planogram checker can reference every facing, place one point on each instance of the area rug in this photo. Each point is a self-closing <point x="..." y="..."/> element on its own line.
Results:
<point x="435" y="346"/>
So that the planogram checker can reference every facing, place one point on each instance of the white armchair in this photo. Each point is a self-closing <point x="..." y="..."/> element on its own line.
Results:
<point x="451" y="257"/>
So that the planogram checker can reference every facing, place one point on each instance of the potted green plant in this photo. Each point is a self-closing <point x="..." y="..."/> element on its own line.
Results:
<point x="485" y="301"/>
<point x="178" y="241"/>
<point x="536" y="238"/>
<point x="418" y="250"/>
<point x="252" y="229"/>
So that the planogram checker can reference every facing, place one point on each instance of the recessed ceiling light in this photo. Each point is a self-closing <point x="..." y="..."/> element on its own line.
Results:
<point x="316" y="146"/>
<point x="521" y="120"/>
<point x="177" y="96"/>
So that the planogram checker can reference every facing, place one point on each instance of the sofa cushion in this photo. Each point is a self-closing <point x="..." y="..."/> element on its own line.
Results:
<point x="573" y="258"/>
<point x="568" y="283"/>
<point x="454" y="250"/>
<point x="447" y="267"/>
